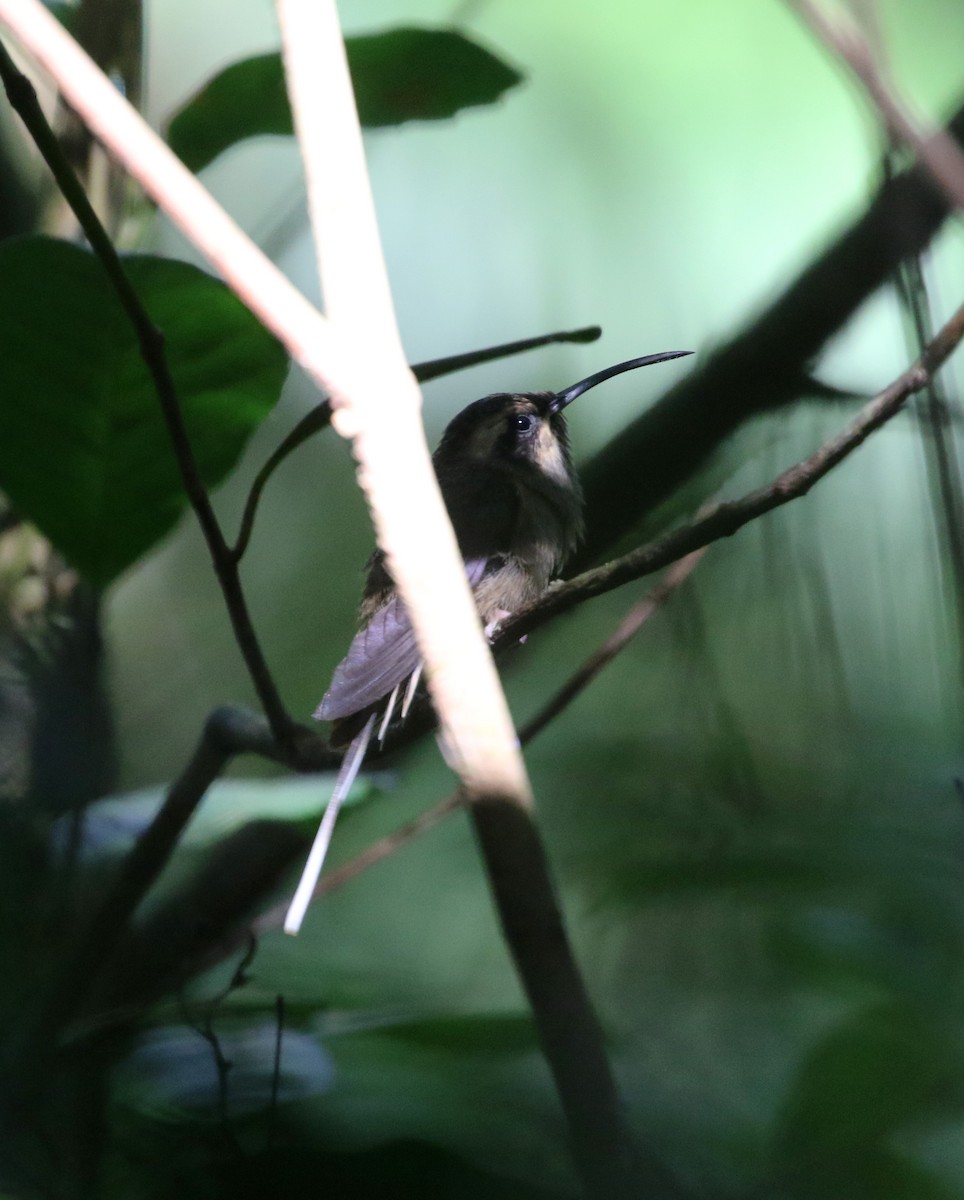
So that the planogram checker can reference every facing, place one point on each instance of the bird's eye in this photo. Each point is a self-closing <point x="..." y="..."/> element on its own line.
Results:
<point x="521" y="423"/>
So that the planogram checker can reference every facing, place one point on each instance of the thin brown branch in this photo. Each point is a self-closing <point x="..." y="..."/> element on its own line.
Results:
<point x="726" y="518"/>
<point x="150" y="339"/>
<point x="313" y="422"/>
<point x="620" y="638"/>
<point x="938" y="152"/>
<point x="273" y="918"/>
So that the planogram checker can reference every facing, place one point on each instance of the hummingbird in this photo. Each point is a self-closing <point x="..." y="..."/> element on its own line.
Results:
<point x="504" y="469"/>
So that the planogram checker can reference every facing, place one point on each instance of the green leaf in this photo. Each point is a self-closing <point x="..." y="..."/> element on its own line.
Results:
<point x="410" y="74"/>
<point x="404" y="74"/>
<point x="84" y="452"/>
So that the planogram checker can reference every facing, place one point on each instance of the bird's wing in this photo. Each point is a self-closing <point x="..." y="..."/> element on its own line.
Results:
<point x="382" y="655"/>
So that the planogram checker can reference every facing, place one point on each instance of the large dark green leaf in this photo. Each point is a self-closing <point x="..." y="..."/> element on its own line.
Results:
<point x="83" y="449"/>
<point x="404" y="74"/>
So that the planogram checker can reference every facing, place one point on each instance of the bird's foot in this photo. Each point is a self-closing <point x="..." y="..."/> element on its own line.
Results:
<point x="492" y="628"/>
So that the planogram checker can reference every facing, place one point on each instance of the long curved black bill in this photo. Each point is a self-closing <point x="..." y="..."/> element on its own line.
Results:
<point x="561" y="399"/>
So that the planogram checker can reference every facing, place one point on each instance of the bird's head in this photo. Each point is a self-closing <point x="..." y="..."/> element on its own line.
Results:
<point x="525" y="429"/>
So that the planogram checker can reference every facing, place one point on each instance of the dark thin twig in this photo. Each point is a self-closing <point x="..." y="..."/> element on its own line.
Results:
<point x="434" y="368"/>
<point x="311" y="423"/>
<point x="320" y="416"/>
<point x="150" y="339"/>
<point x="222" y="1066"/>
<point x="203" y="1026"/>
<point x="627" y="629"/>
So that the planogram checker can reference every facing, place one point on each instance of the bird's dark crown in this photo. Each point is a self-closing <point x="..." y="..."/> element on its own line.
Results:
<point x="519" y="427"/>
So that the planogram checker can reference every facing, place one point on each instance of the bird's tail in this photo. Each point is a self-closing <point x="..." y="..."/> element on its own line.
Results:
<point x="351" y="764"/>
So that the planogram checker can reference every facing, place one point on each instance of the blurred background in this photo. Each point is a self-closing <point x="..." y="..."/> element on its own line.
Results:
<point x="755" y="814"/>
